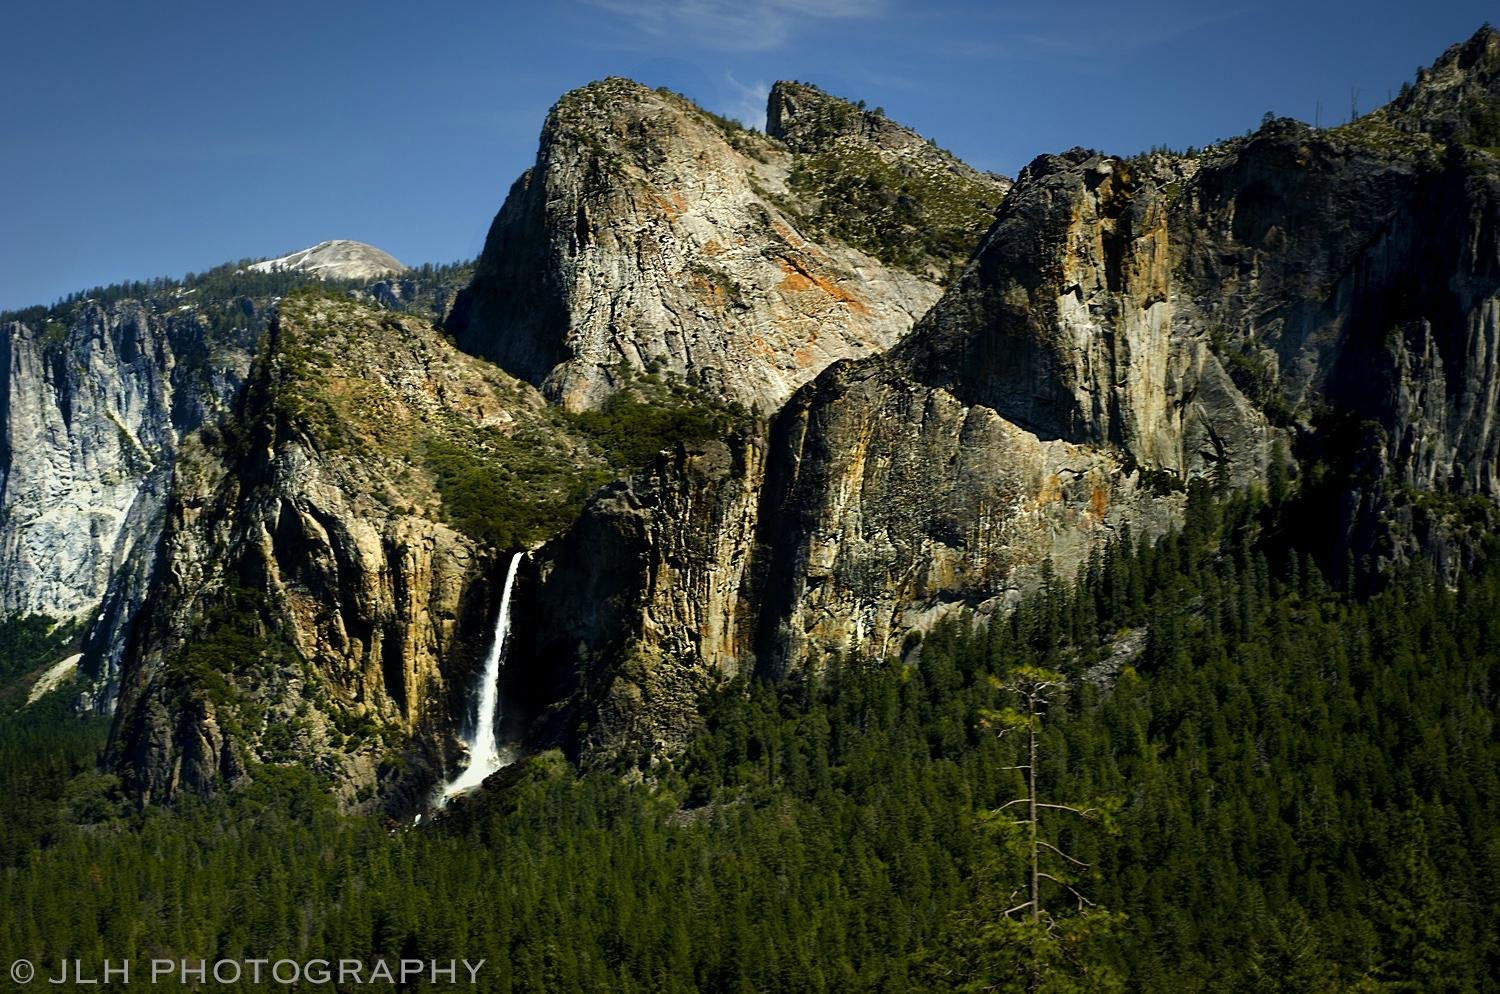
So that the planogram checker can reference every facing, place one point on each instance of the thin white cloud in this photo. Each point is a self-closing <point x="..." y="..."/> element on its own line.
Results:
<point x="732" y="25"/>
<point x="747" y="101"/>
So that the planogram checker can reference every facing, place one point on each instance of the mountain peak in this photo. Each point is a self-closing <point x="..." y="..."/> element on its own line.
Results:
<point x="1457" y="93"/>
<point x="809" y="121"/>
<point x="806" y="117"/>
<point x="339" y="259"/>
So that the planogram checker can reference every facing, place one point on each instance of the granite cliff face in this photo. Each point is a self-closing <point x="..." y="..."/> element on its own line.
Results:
<point x="645" y="605"/>
<point x="315" y="601"/>
<point x="92" y="413"/>
<point x="652" y="236"/>
<point x="1123" y="328"/>
<point x="1126" y="327"/>
<point x="1146" y="322"/>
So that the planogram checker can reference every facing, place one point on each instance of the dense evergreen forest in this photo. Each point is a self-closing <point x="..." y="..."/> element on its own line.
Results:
<point x="1296" y="788"/>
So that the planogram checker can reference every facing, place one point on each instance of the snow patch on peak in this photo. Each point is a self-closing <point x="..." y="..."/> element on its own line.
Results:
<point x="340" y="259"/>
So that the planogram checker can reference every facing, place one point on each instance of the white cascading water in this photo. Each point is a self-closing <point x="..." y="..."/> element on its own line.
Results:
<point x="485" y="754"/>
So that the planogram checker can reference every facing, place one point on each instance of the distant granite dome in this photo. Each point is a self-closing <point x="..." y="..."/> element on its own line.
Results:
<point x="339" y="260"/>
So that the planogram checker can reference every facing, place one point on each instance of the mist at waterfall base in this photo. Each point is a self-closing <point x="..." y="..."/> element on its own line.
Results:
<point x="485" y="752"/>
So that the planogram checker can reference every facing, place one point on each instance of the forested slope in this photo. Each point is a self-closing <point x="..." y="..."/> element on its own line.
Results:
<point x="1300" y="785"/>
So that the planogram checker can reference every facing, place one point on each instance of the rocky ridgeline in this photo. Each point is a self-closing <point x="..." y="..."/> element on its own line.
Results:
<point x="961" y="386"/>
<point x="322" y="570"/>
<point x="98" y="392"/>
<point x="1127" y="326"/>
<point x="653" y="236"/>
<point x="882" y="187"/>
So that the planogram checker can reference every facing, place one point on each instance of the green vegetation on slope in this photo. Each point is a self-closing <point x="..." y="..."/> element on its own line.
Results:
<point x="520" y="489"/>
<point x="31" y="641"/>
<point x="509" y="491"/>
<point x="906" y="214"/>
<point x="507" y="484"/>
<point x="650" y="416"/>
<point x="1305" y="796"/>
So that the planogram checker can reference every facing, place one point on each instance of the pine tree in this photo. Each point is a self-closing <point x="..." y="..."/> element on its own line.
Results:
<point x="1031" y="947"/>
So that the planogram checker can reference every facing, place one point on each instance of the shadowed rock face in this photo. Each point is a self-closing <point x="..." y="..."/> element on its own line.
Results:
<point x="1124" y="327"/>
<point x="644" y="605"/>
<point x="651" y="236"/>
<point x="309" y="577"/>
<point x="1127" y="325"/>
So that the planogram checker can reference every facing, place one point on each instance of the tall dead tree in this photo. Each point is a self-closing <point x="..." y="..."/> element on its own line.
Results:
<point x="1037" y="689"/>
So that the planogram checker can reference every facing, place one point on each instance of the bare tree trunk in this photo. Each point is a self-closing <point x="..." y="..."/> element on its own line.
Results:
<point x="1036" y="878"/>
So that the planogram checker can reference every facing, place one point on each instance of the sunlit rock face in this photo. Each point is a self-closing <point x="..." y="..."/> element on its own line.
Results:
<point x="652" y="236"/>
<point x="90" y="416"/>
<point x="1126" y="326"/>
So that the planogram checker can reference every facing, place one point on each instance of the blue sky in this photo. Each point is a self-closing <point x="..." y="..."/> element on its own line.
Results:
<point x="152" y="138"/>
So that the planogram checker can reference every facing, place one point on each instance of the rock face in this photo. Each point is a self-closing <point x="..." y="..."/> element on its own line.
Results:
<point x="882" y="187"/>
<point x="650" y="598"/>
<point x="340" y="259"/>
<point x="95" y="395"/>
<point x="1127" y="326"/>
<point x="1454" y="97"/>
<point x="651" y="236"/>
<point x="91" y="414"/>
<point x="1124" y="329"/>
<point x="1130" y="318"/>
<point x="308" y="578"/>
<point x="1070" y="324"/>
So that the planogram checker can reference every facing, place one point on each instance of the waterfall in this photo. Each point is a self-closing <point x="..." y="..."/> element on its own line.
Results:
<point x="485" y="754"/>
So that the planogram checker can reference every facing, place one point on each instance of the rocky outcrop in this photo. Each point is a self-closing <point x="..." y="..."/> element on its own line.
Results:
<point x="652" y="236"/>
<point x="650" y="593"/>
<point x="807" y="120"/>
<point x="862" y="177"/>
<point x="1454" y="98"/>
<point x="431" y="292"/>
<point x="1126" y="327"/>
<point x="92" y="410"/>
<point x="891" y="504"/>
<point x="1070" y="324"/>
<point x="313" y="603"/>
